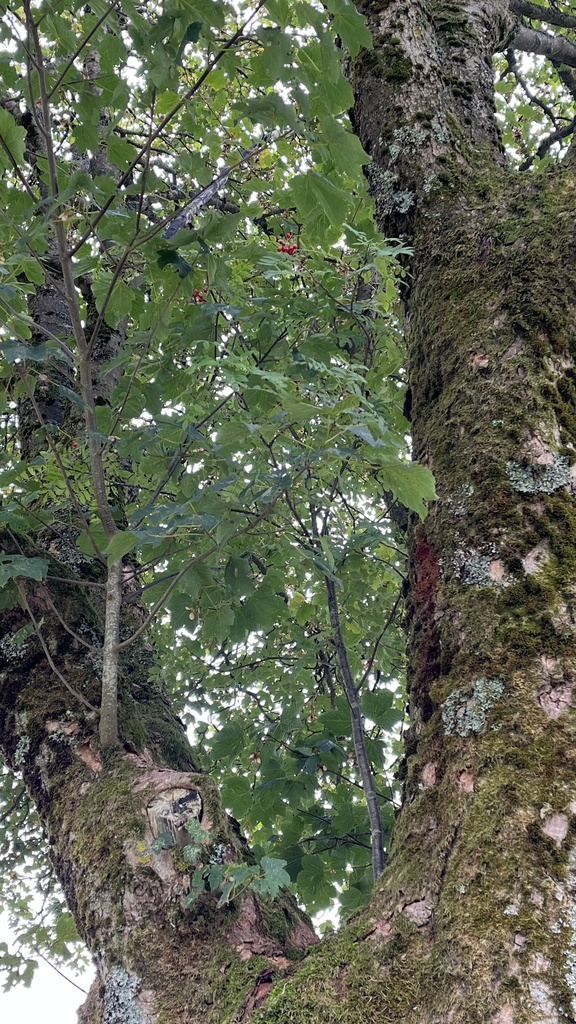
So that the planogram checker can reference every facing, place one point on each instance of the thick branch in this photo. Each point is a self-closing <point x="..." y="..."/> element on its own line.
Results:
<point x="556" y="48"/>
<point x="537" y="13"/>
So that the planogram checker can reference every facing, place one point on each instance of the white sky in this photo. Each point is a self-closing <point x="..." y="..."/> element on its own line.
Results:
<point x="50" y="999"/>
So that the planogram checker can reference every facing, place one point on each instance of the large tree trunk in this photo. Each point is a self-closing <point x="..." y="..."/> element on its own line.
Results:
<point x="155" y="958"/>
<point x="474" y="918"/>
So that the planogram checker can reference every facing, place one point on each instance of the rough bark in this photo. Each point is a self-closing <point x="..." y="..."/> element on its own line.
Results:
<point x="473" y="919"/>
<point x="156" y="959"/>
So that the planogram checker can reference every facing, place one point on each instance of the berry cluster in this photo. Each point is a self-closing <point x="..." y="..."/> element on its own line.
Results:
<point x="200" y="295"/>
<point x="286" y="245"/>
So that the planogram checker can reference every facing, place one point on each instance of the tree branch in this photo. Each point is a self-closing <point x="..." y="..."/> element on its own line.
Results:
<point x="537" y="13"/>
<point x="110" y="652"/>
<point x="47" y="654"/>
<point x="556" y="48"/>
<point x="358" y="735"/>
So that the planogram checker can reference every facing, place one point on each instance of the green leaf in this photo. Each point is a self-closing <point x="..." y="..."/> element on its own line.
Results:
<point x="229" y="741"/>
<point x="238" y="577"/>
<point x="119" y="545"/>
<point x="191" y="35"/>
<point x="113" y="298"/>
<point x="172" y="258"/>
<point x="316" y="196"/>
<point x="411" y="483"/>
<point x="376" y="705"/>
<point x="12" y="141"/>
<point x="273" y="879"/>
<point x="349" y="24"/>
<point x="120" y="153"/>
<point x="18" y="565"/>
<point x="344" y="147"/>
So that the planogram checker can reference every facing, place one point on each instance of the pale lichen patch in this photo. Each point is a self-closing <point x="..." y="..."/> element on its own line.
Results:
<point x="419" y="912"/>
<point x="570" y="922"/>
<point x="481" y="570"/>
<point x="121" y="1002"/>
<point x="542" y="997"/>
<point x="466" y="714"/>
<point x="540" y="476"/>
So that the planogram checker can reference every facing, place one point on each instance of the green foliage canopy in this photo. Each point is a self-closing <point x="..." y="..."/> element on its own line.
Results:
<point x="228" y="358"/>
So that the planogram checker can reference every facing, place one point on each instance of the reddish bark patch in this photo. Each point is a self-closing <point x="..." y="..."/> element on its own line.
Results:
<point x="466" y="782"/>
<point x="248" y="935"/>
<point x="302" y="936"/>
<point x="257" y="997"/>
<point x="89" y="757"/>
<point x="428" y="775"/>
<point x="556" y="699"/>
<point x="426" y="572"/>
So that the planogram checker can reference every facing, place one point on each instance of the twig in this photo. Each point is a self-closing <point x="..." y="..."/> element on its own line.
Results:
<point x="61" y="973"/>
<point x="200" y="558"/>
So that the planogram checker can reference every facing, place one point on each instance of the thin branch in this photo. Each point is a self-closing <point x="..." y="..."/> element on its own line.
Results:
<point x="14" y="804"/>
<point x="567" y="78"/>
<point x="547" y="143"/>
<point x="17" y="170"/>
<point x="110" y="649"/>
<point x="200" y="558"/>
<point x="379" y="638"/>
<point x="185" y="99"/>
<point x="75" y="583"/>
<point x="513" y="67"/>
<point x="62" y="975"/>
<point x="83" y="44"/>
<point x="183" y="449"/>
<point x="358" y="734"/>
<point x="65" y="625"/>
<point x="47" y="654"/>
<point x="27" y="321"/>
<point x="87" y="390"/>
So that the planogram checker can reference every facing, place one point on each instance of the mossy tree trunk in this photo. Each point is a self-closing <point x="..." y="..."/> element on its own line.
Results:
<point x="106" y="816"/>
<point x="474" y="918"/>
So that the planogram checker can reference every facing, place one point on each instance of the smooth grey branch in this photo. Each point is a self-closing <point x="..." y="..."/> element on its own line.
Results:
<point x="556" y="48"/>
<point x="537" y="13"/>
